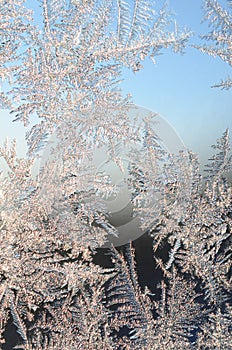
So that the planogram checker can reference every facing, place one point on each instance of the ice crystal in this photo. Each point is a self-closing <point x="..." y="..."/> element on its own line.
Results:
<point x="220" y="37"/>
<point x="58" y="289"/>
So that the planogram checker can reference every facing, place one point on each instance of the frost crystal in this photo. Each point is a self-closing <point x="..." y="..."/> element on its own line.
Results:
<point x="58" y="289"/>
<point x="220" y="37"/>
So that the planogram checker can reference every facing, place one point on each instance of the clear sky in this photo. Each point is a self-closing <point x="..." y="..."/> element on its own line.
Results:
<point x="178" y="88"/>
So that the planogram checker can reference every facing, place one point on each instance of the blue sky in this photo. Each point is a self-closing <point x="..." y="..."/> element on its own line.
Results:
<point x="177" y="87"/>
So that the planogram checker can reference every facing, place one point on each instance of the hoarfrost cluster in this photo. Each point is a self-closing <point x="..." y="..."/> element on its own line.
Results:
<point x="58" y="288"/>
